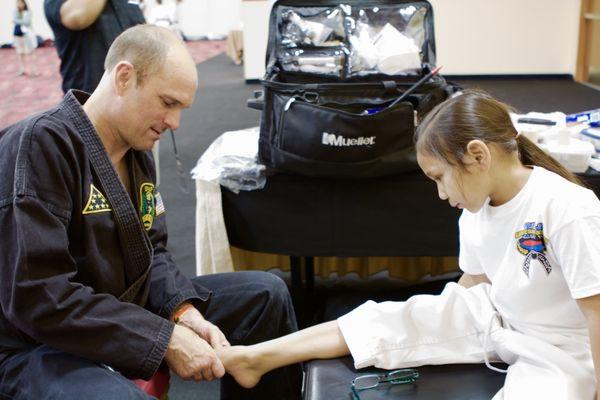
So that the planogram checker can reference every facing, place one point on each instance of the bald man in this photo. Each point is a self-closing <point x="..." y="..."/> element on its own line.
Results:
<point x="89" y="293"/>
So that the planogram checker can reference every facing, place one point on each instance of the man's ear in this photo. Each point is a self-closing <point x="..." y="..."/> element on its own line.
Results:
<point x="124" y="77"/>
<point x="478" y="154"/>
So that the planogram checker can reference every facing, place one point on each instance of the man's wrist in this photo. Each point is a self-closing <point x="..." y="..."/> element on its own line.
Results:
<point x="180" y="311"/>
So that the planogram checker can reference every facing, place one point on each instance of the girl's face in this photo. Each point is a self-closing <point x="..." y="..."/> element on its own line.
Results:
<point x="20" y="5"/>
<point x="462" y="188"/>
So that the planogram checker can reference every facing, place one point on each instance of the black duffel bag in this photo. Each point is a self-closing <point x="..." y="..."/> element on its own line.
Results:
<point x="341" y="124"/>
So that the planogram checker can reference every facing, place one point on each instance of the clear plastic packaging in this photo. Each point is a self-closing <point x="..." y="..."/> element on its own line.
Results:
<point x="232" y="160"/>
<point x="322" y="28"/>
<point x="394" y="40"/>
<point x="322" y="62"/>
<point x="386" y="40"/>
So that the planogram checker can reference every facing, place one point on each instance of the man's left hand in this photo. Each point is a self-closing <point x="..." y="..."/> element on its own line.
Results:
<point x="205" y="329"/>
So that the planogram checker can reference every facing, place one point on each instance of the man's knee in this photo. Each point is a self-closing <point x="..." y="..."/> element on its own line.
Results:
<point x="103" y="385"/>
<point x="272" y="290"/>
<point x="273" y="313"/>
<point x="269" y="285"/>
<point x="47" y="373"/>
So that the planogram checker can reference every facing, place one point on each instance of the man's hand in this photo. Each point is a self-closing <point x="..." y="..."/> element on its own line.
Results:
<point x="191" y="357"/>
<point x="205" y="329"/>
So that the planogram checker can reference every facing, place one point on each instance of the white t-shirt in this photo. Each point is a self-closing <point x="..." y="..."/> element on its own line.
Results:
<point x="540" y="250"/>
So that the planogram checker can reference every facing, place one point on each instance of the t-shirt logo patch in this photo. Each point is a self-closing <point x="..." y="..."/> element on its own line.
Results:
<point x="96" y="203"/>
<point x="532" y="244"/>
<point x="147" y="205"/>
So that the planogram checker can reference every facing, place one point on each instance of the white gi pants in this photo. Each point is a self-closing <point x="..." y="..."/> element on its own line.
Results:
<point x="453" y="328"/>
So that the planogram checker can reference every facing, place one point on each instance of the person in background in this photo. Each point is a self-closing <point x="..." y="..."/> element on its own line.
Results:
<point x="176" y="20"/>
<point x="83" y="32"/>
<point x="142" y="6"/>
<point x="25" y="39"/>
<point x="163" y="15"/>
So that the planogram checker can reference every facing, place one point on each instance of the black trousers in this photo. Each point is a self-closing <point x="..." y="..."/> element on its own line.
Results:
<point x="249" y="307"/>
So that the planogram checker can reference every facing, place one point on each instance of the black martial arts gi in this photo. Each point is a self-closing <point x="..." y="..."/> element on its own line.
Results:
<point x="85" y="277"/>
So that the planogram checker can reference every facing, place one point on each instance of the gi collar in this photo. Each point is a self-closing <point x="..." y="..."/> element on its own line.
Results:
<point x="137" y="248"/>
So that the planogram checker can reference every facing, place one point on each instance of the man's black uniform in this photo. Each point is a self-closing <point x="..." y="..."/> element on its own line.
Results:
<point x="82" y="53"/>
<point x="84" y="269"/>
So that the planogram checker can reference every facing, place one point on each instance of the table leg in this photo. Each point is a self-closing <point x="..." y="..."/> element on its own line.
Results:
<point x="309" y="274"/>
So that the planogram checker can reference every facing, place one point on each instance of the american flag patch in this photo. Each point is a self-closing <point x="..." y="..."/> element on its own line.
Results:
<point x="160" y="207"/>
<point x="97" y="203"/>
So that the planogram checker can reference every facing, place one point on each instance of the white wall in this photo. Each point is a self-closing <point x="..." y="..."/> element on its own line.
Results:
<point x="482" y="37"/>
<point x="507" y="36"/>
<point x="199" y="18"/>
<point x="210" y="18"/>
<point x="255" y="21"/>
<point x="472" y="36"/>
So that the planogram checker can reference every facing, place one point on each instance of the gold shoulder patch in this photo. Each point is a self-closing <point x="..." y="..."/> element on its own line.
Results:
<point x="147" y="204"/>
<point x="97" y="203"/>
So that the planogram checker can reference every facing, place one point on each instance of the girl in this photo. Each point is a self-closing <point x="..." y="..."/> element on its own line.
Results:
<point x="530" y="255"/>
<point x="25" y="39"/>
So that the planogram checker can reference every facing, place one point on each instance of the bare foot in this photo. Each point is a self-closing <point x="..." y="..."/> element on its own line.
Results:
<point x="238" y="363"/>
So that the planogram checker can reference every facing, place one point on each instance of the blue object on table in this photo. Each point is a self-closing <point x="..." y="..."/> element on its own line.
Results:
<point x="590" y="116"/>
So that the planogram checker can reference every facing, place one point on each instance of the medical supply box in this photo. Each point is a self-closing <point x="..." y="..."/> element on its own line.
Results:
<point x="332" y="70"/>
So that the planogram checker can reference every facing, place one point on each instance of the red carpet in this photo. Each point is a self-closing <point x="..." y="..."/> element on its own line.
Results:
<point x="21" y="96"/>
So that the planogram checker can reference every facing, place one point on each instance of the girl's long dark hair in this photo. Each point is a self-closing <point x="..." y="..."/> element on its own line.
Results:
<point x="450" y="126"/>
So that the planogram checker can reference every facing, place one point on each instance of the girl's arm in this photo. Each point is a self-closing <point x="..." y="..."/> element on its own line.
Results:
<point x="590" y="306"/>
<point x="468" y="280"/>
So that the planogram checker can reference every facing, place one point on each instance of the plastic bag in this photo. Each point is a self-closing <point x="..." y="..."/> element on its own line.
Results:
<point x="232" y="160"/>
<point x="325" y="28"/>
<point x="382" y="47"/>
<point x="324" y="62"/>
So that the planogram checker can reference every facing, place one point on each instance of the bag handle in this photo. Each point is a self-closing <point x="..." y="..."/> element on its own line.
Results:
<point x="389" y="86"/>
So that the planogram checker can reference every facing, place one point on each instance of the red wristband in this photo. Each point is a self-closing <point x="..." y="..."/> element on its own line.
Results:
<point x="180" y="311"/>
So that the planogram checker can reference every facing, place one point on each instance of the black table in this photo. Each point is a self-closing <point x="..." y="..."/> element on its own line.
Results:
<point x="398" y="215"/>
<point x="303" y="217"/>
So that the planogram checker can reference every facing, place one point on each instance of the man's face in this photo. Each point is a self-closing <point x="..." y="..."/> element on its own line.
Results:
<point x="155" y="106"/>
<point x="462" y="188"/>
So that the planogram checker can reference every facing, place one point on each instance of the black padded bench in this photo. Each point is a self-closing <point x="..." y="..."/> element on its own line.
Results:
<point x="331" y="380"/>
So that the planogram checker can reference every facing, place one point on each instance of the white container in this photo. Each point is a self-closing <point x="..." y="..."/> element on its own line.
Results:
<point x="592" y="135"/>
<point x="535" y="132"/>
<point x="574" y="154"/>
